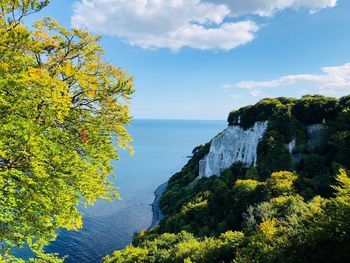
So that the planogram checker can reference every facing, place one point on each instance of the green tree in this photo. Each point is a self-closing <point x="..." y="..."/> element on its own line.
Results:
<point x="281" y="183"/>
<point x="341" y="134"/>
<point x="181" y="247"/>
<point x="343" y="187"/>
<point x="61" y="108"/>
<point x="315" y="109"/>
<point x="246" y="192"/>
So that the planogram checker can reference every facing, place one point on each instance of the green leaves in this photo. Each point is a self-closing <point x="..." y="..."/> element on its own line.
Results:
<point x="281" y="183"/>
<point x="61" y="108"/>
<point x="181" y="247"/>
<point x="343" y="187"/>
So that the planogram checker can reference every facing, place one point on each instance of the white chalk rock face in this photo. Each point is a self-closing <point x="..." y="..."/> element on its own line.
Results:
<point x="317" y="136"/>
<point x="291" y="145"/>
<point x="234" y="144"/>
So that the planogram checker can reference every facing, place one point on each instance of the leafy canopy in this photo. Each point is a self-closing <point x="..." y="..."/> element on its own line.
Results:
<point x="292" y="206"/>
<point x="61" y="108"/>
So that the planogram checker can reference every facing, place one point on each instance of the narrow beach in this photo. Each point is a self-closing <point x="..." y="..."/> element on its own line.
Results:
<point x="157" y="213"/>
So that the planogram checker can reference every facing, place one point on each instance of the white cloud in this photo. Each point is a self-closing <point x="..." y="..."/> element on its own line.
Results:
<point x="225" y="37"/>
<point x="255" y="93"/>
<point x="164" y="23"/>
<point x="269" y="7"/>
<point x="331" y="81"/>
<point x="201" y="24"/>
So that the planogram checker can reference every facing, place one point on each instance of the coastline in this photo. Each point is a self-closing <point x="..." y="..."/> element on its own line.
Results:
<point x="157" y="213"/>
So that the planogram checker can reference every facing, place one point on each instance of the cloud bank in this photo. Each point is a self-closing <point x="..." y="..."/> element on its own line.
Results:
<point x="270" y="7"/>
<point x="330" y="81"/>
<point x="174" y="24"/>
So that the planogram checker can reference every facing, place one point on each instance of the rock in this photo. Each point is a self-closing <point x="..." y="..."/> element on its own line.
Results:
<point x="317" y="135"/>
<point x="291" y="146"/>
<point x="232" y="145"/>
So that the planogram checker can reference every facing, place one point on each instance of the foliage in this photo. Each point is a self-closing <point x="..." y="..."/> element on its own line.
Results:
<point x="61" y="106"/>
<point x="315" y="109"/>
<point x="178" y="182"/>
<point x="309" y="109"/>
<point x="282" y="229"/>
<point x="341" y="131"/>
<point x="181" y="247"/>
<point x="290" y="207"/>
<point x="266" y="109"/>
<point x="281" y="183"/>
<point x="273" y="154"/>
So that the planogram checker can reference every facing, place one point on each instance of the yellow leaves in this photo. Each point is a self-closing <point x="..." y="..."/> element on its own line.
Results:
<point x="4" y="66"/>
<point x="186" y="248"/>
<point x="343" y="187"/>
<point x="43" y="40"/>
<point x="89" y="84"/>
<point x="281" y="183"/>
<point x="69" y="223"/>
<point x="36" y="73"/>
<point x="247" y="185"/>
<point x="38" y="170"/>
<point x="194" y="206"/>
<point x="53" y="92"/>
<point x="93" y="89"/>
<point x="71" y="103"/>
<point x="280" y="200"/>
<point x="67" y="69"/>
<point x="82" y="80"/>
<point x="78" y="223"/>
<point x="51" y="43"/>
<point x="120" y="129"/>
<point x="40" y="34"/>
<point x="55" y="159"/>
<point x="268" y="227"/>
<point x="316" y="205"/>
<point x="2" y="152"/>
<point x="74" y="224"/>
<point x="52" y="23"/>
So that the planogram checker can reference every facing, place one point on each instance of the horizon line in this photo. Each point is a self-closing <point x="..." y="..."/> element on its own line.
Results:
<point x="177" y="119"/>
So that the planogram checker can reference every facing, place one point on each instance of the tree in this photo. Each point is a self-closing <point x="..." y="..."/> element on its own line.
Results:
<point x="341" y="133"/>
<point x="315" y="109"/>
<point x="61" y="108"/>
<point x="281" y="183"/>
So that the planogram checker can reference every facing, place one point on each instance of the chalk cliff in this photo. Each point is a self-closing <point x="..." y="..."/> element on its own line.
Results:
<point x="234" y="144"/>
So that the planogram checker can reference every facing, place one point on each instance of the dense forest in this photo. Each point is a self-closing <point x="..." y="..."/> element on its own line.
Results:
<point x="289" y="207"/>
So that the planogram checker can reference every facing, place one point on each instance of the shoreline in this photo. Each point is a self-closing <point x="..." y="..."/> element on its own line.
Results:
<point x="157" y="212"/>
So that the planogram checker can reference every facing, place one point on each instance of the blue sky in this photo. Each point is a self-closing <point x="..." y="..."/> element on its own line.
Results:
<point x="199" y="59"/>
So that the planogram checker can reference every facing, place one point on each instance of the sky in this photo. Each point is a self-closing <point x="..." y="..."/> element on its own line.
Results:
<point x="200" y="59"/>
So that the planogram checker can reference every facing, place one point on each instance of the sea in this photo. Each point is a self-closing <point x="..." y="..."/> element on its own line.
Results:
<point x="162" y="148"/>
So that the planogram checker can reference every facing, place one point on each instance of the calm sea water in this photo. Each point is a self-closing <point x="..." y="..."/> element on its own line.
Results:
<point x="161" y="148"/>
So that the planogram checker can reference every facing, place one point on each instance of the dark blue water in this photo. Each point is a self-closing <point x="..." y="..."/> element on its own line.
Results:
<point x="161" y="149"/>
